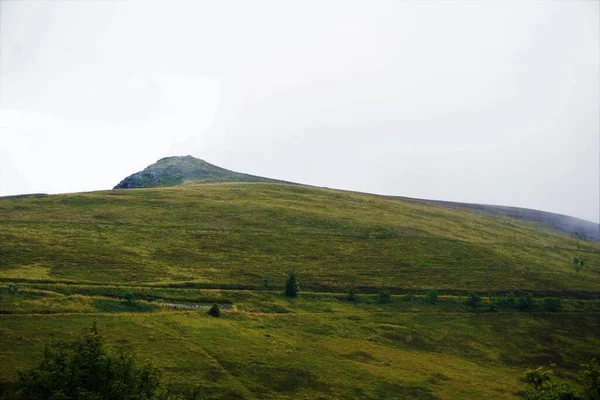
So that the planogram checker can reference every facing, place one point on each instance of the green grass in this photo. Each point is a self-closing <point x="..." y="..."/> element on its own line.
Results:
<point x="74" y="256"/>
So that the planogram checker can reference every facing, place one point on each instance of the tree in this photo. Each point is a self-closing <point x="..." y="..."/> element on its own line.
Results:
<point x="473" y="299"/>
<point x="351" y="296"/>
<point x="214" y="311"/>
<point x="545" y="387"/>
<point x="525" y="302"/>
<point x="291" y="286"/>
<point x="578" y="263"/>
<point x="84" y="369"/>
<point x="432" y="296"/>
<point x="552" y="303"/>
<point x="129" y="297"/>
<point x="591" y="374"/>
<point x="385" y="296"/>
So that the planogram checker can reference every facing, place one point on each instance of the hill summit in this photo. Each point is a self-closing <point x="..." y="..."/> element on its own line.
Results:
<point x="172" y="171"/>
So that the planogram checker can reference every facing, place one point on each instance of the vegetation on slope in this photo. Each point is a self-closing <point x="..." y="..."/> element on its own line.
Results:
<point x="121" y="257"/>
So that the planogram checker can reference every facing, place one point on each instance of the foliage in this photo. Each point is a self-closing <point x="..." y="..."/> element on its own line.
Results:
<point x="473" y="299"/>
<point x="432" y="296"/>
<point x="351" y="296"/>
<point x="385" y="296"/>
<point x="591" y="375"/>
<point x="214" y="311"/>
<point x="84" y="369"/>
<point x="552" y="303"/>
<point x="525" y="302"/>
<point x="578" y="262"/>
<point x="493" y="303"/>
<point x="129" y="297"/>
<point x="506" y="300"/>
<point x="291" y="285"/>
<point x="544" y="386"/>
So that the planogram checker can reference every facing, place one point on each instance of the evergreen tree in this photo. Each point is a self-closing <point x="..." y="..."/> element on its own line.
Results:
<point x="291" y="286"/>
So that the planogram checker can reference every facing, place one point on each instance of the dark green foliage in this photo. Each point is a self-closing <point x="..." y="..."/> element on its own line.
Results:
<point x="473" y="299"/>
<point x="432" y="296"/>
<point x="351" y="296"/>
<point x="129" y="297"/>
<point x="385" y="296"/>
<point x="525" y="302"/>
<point x="493" y="304"/>
<point x="578" y="263"/>
<point x="84" y="369"/>
<point x="543" y="386"/>
<point x="507" y="300"/>
<point x="291" y="285"/>
<point x="214" y="311"/>
<point x="552" y="303"/>
<point x="591" y="375"/>
<point x="409" y="297"/>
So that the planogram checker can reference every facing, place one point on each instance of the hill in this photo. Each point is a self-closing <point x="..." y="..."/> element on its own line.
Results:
<point x="575" y="226"/>
<point x="171" y="171"/>
<point x="68" y="260"/>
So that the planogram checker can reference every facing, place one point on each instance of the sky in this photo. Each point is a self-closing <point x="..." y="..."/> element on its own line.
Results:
<point x="492" y="102"/>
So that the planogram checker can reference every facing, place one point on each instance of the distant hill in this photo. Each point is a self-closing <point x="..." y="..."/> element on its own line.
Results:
<point x="171" y="171"/>
<point x="574" y="226"/>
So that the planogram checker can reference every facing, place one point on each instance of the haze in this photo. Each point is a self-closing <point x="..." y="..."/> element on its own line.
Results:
<point x="481" y="102"/>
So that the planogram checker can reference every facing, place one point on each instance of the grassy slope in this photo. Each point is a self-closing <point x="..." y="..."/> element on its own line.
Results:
<point x="242" y="233"/>
<point x="100" y="244"/>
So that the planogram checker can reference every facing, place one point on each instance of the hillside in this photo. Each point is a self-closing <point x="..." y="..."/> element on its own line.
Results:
<point x="171" y="171"/>
<point x="67" y="260"/>
<point x="574" y="226"/>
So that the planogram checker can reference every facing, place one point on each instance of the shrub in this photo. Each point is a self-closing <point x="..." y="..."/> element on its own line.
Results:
<point x="351" y="295"/>
<point x="291" y="286"/>
<point x="525" y="302"/>
<point x="473" y="299"/>
<point x="385" y="296"/>
<point x="409" y="297"/>
<point x="129" y="297"/>
<point x="493" y="303"/>
<point x="84" y="369"/>
<point x="214" y="311"/>
<point x="552" y="303"/>
<point x="432" y="296"/>
<point x="507" y="300"/>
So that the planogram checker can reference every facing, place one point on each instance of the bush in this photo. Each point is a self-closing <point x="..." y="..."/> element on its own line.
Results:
<point x="432" y="296"/>
<point x="525" y="302"/>
<point x="507" y="300"/>
<point x="493" y="303"/>
<point x="84" y="369"/>
<point x="291" y="286"/>
<point x="552" y="303"/>
<point x="385" y="296"/>
<point x="214" y="311"/>
<point x="409" y="297"/>
<point x="351" y="295"/>
<point x="473" y="299"/>
<point x="129" y="297"/>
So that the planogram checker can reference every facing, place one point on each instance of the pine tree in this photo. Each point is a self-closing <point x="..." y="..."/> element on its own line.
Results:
<point x="291" y="286"/>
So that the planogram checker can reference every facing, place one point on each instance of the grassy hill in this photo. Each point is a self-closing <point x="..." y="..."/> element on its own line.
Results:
<point x="66" y="260"/>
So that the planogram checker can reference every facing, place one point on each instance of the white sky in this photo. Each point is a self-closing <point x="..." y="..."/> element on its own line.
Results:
<point x="492" y="102"/>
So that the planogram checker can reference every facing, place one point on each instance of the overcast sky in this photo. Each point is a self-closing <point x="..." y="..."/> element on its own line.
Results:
<point x="484" y="102"/>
